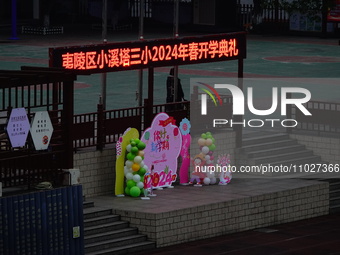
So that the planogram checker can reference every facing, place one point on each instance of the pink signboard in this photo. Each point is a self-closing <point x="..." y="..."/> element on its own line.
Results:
<point x="163" y="144"/>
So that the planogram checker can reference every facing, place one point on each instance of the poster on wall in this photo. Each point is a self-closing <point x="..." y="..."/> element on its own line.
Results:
<point x="18" y="127"/>
<point x="334" y="13"/>
<point x="163" y="145"/>
<point x="41" y="130"/>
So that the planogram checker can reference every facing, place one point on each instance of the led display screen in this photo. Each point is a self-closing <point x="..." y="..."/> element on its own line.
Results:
<point x="111" y="57"/>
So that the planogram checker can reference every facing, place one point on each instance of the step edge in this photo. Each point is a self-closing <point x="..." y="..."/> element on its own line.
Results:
<point x="115" y="240"/>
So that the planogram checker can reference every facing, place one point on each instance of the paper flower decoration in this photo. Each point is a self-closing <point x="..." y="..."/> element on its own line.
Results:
<point x="185" y="126"/>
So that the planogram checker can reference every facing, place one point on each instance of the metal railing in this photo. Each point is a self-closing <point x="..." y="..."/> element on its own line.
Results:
<point x="325" y="118"/>
<point x="268" y="15"/>
<point x="105" y="127"/>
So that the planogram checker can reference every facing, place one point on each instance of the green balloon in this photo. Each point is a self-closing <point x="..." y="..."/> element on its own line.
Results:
<point x="142" y="171"/>
<point x="204" y="136"/>
<point x="141" y="145"/>
<point x="213" y="140"/>
<point x="127" y="191"/>
<point x="209" y="136"/>
<point x="137" y="141"/>
<point x="130" y="156"/>
<point x="130" y="184"/>
<point x="135" y="191"/>
<point x="208" y="133"/>
<point x="134" y="150"/>
<point x="212" y="147"/>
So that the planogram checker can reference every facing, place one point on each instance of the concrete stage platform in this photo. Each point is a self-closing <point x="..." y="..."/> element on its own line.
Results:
<point x="188" y="213"/>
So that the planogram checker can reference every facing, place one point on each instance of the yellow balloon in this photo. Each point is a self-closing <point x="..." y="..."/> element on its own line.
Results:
<point x="135" y="167"/>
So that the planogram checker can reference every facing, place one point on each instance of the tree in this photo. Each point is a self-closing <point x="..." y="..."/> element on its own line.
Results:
<point x="312" y="8"/>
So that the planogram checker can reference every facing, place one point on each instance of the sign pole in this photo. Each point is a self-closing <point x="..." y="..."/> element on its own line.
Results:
<point x="104" y="37"/>
<point x="239" y="118"/>
<point x="176" y="10"/>
<point x="139" y="93"/>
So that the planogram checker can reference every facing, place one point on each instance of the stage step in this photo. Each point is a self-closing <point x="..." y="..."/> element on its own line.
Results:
<point x="267" y="145"/>
<point x="106" y="233"/>
<point x="256" y="139"/>
<point x="280" y="149"/>
<point x="274" y="149"/>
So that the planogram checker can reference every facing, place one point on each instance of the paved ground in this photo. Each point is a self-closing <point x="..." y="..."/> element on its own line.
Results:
<point x="316" y="236"/>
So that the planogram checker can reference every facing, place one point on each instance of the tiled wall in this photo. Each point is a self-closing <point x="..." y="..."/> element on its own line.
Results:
<point x="97" y="171"/>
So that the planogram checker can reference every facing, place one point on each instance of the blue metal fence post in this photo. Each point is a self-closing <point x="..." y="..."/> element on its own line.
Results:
<point x="14" y="20"/>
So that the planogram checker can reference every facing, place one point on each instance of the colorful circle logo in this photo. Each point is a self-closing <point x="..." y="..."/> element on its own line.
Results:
<point x="45" y="139"/>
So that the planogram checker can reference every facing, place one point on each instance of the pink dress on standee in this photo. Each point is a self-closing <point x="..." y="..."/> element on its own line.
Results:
<point x="183" y="172"/>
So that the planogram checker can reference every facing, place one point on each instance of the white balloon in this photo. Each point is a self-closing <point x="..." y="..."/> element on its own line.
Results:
<point x="141" y="163"/>
<point x="205" y="150"/>
<point x="206" y="181"/>
<point x="129" y="176"/>
<point x="146" y="167"/>
<point x="212" y="180"/>
<point x="128" y="147"/>
<point x="208" y="162"/>
<point x="140" y="185"/>
<point x="136" y="178"/>
<point x="126" y="170"/>
<point x="128" y="163"/>
<point x="207" y="157"/>
<point x="210" y="174"/>
<point x="138" y="159"/>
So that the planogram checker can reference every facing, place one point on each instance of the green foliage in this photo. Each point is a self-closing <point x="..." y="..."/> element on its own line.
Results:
<point x="308" y="7"/>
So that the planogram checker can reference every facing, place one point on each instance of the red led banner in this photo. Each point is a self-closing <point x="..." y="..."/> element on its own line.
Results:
<point x="111" y="57"/>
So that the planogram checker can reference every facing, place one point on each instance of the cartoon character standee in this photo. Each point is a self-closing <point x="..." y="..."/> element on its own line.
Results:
<point x="184" y="127"/>
<point x="225" y="175"/>
<point x="197" y="175"/>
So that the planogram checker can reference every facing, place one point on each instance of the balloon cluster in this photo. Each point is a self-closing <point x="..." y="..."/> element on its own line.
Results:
<point x="207" y="147"/>
<point x="135" y="169"/>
